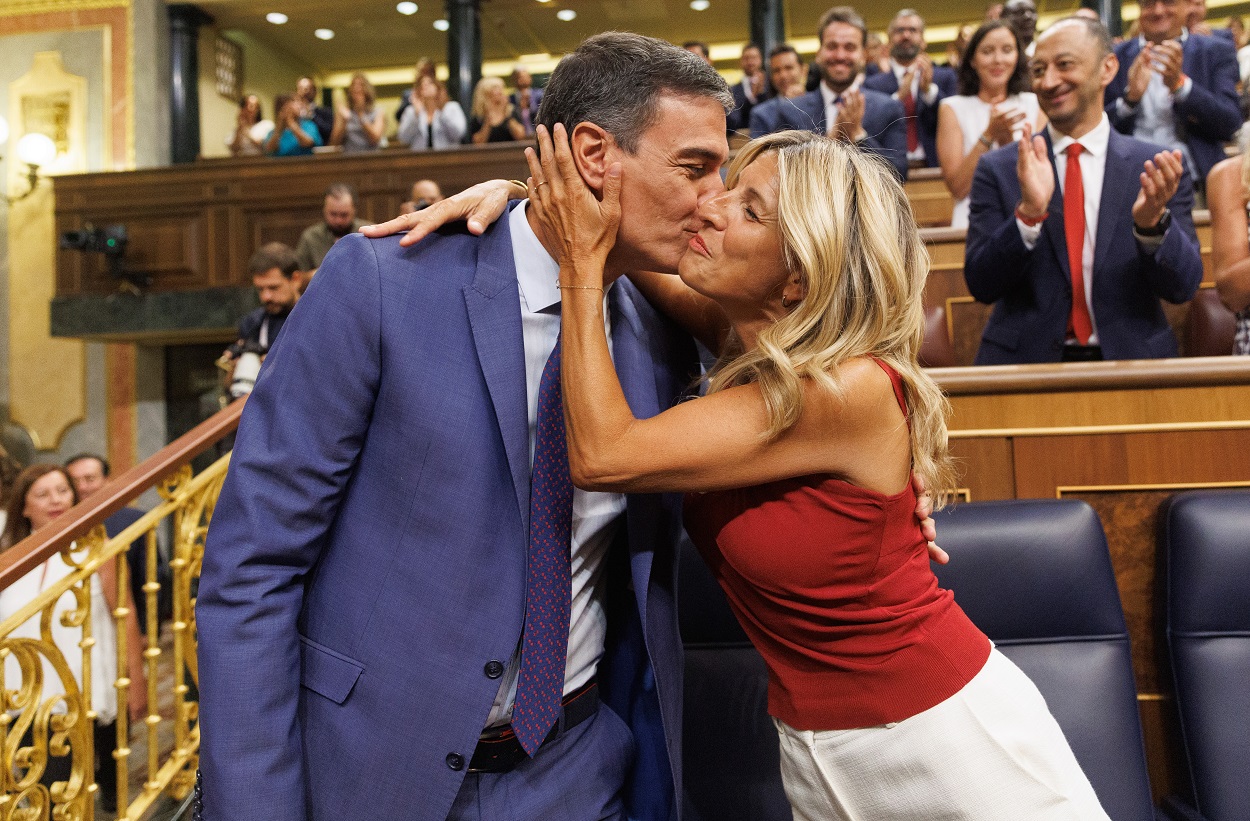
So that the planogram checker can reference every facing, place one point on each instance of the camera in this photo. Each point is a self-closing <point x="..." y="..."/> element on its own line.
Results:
<point x="111" y="239"/>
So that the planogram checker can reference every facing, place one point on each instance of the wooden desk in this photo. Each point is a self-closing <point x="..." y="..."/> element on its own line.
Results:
<point x="1122" y="436"/>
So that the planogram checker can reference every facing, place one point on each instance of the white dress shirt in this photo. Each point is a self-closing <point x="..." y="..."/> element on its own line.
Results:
<point x="596" y="516"/>
<point x="1156" y="119"/>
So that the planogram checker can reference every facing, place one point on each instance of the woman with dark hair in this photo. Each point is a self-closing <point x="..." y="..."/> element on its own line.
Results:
<point x="251" y="128"/>
<point x="39" y="495"/>
<point x="990" y="111"/>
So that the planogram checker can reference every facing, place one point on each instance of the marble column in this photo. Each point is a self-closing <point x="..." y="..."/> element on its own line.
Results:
<point x="1109" y="11"/>
<point x="184" y="29"/>
<point x="768" y="25"/>
<point x="464" y="50"/>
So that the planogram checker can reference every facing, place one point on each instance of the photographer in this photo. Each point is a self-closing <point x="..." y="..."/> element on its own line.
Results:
<point x="274" y="271"/>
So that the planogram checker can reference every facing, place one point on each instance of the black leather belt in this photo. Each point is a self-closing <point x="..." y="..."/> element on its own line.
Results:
<point x="502" y="752"/>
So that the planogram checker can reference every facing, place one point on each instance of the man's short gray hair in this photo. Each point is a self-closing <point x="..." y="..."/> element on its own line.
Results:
<point x="906" y="13"/>
<point x="615" y="80"/>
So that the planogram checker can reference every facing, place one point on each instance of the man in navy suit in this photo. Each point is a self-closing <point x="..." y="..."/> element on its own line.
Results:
<point x="1079" y="276"/>
<point x="1176" y="89"/>
<point x="525" y="99"/>
<point x="364" y="591"/>
<point x="915" y="82"/>
<point x="785" y="74"/>
<point x="751" y="90"/>
<point x="840" y="108"/>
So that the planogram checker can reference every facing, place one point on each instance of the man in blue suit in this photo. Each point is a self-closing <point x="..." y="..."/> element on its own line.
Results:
<point x="365" y="592"/>
<point x="751" y="90"/>
<point x="916" y="83"/>
<point x="841" y="108"/>
<point x="1073" y="275"/>
<point x="1176" y="89"/>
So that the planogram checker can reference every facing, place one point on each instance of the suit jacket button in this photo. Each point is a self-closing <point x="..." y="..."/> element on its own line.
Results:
<point x="455" y="761"/>
<point x="493" y="669"/>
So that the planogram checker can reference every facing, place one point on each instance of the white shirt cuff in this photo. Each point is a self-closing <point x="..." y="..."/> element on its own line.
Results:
<point x="1182" y="93"/>
<point x="1029" y="233"/>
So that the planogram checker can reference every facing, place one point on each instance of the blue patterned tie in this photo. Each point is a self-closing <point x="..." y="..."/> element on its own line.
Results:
<point x="548" y="584"/>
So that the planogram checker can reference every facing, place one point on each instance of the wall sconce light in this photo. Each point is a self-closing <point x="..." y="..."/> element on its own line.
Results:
<point x="35" y="150"/>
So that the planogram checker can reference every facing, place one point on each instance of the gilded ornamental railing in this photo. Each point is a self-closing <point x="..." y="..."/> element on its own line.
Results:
<point x="47" y="713"/>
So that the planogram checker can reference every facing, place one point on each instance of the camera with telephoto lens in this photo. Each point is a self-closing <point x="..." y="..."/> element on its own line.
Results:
<point x="246" y="368"/>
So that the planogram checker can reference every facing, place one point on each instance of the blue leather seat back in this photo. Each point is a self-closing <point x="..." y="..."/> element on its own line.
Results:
<point x="1206" y="536"/>
<point x="730" y="762"/>
<point x="1036" y="577"/>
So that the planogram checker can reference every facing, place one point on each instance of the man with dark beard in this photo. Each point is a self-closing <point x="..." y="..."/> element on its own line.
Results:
<point x="915" y="82"/>
<point x="339" y="213"/>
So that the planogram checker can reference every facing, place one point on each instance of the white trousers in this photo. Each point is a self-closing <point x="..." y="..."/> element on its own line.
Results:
<point x="991" y="751"/>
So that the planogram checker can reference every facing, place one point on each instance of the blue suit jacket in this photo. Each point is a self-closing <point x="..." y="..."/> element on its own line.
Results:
<point x="367" y="555"/>
<point x="883" y="120"/>
<point x="1031" y="290"/>
<point x="926" y="114"/>
<point x="740" y="117"/>
<point x="1209" y="116"/>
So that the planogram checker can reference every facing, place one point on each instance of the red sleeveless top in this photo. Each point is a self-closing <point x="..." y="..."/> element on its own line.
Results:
<point x="832" y="584"/>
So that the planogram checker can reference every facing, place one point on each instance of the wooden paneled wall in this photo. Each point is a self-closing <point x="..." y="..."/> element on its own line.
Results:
<point x="1122" y="436"/>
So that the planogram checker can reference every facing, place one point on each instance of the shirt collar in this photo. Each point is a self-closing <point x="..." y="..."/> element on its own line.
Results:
<point x="1184" y="38"/>
<point x="1095" y="141"/>
<point x="537" y="274"/>
<point x="828" y="95"/>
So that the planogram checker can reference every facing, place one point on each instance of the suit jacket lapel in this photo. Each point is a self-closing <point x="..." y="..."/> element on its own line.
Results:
<point x="1054" y="230"/>
<point x="494" y="308"/>
<point x="1117" y="198"/>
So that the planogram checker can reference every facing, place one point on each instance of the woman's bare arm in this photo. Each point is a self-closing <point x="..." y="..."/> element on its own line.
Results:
<point x="1230" y="246"/>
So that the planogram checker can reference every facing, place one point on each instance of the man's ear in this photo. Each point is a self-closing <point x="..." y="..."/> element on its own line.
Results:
<point x="593" y="151"/>
<point x="1110" y="68"/>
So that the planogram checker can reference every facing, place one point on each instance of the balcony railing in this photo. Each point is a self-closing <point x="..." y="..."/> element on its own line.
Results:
<point x="41" y="718"/>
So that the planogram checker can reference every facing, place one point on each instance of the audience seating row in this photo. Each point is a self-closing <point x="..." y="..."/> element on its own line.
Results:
<point x="1036" y="576"/>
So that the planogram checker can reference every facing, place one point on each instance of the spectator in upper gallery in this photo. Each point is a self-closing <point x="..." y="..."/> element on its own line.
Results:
<point x="306" y="94"/>
<point x="293" y="134"/>
<point x="876" y="57"/>
<point x="359" y="125"/>
<point x="751" y="90"/>
<point x="1076" y="234"/>
<point x="994" y="11"/>
<point x="1196" y="22"/>
<point x="424" y="194"/>
<point x="1022" y="15"/>
<point x="786" y="76"/>
<point x="9" y="468"/>
<point x="1176" y="89"/>
<point x="700" y="48"/>
<point x="493" y="118"/>
<point x="424" y="68"/>
<point x="250" y="130"/>
<point x="1228" y="197"/>
<point x="525" y="98"/>
<point x="840" y="108"/>
<point x="914" y="81"/>
<point x="432" y="121"/>
<point x="989" y="112"/>
<point x="338" y="214"/>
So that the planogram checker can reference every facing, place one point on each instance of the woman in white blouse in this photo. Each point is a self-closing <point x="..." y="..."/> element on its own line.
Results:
<point x="430" y="122"/>
<point x="990" y="111"/>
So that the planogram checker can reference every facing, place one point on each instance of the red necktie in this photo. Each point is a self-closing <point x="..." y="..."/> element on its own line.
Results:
<point x="1074" y="232"/>
<point x="913" y="134"/>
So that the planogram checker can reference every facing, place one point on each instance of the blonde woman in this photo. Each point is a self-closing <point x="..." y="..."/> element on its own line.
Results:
<point x="1228" y="197"/>
<point x="493" y="118"/>
<point x="358" y="125"/>
<point x="807" y="277"/>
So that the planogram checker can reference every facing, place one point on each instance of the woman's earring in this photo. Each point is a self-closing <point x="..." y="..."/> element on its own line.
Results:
<point x="787" y="304"/>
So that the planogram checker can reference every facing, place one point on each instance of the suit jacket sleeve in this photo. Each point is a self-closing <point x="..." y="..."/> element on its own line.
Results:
<point x="297" y="444"/>
<point x="995" y="256"/>
<point x="1210" y="110"/>
<point x="1174" y="270"/>
<point x="763" y="119"/>
<point x="891" y="140"/>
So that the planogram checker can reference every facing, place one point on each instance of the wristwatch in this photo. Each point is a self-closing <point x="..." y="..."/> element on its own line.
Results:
<point x="1158" y="229"/>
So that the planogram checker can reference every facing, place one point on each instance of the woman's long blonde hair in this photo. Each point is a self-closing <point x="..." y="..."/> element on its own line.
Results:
<point x="847" y="228"/>
<point x="484" y="87"/>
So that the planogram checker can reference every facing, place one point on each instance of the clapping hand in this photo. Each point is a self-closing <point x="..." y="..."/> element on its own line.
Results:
<point x="1037" y="176"/>
<point x="850" y="122"/>
<point x="1168" y="59"/>
<point x="581" y="226"/>
<point x="1159" y="179"/>
<point x="1003" y="122"/>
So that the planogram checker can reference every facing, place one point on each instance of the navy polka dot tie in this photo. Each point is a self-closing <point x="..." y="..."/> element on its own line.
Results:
<point x="544" y="648"/>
